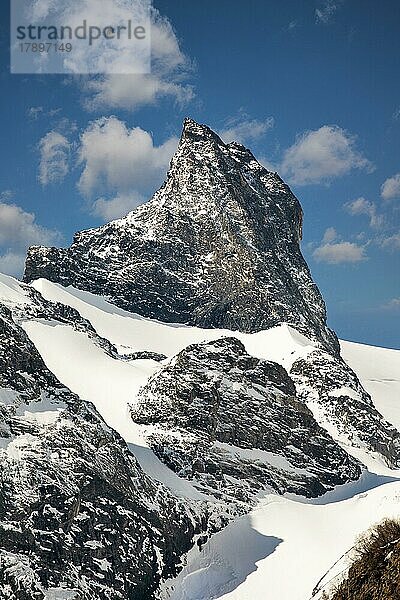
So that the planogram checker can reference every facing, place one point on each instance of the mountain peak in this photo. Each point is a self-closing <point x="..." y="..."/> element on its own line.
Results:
<point x="217" y="246"/>
<point x="192" y="126"/>
<point x="193" y="132"/>
<point x="205" y="145"/>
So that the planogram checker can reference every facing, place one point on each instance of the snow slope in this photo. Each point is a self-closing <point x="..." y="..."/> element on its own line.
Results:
<point x="379" y="371"/>
<point x="283" y="547"/>
<point x="377" y="368"/>
<point x="131" y="333"/>
<point x="11" y="292"/>
<point x="112" y="385"/>
<point x="109" y="384"/>
<point x="90" y="372"/>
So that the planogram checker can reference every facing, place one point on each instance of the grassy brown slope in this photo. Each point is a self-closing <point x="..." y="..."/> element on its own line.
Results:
<point x="375" y="574"/>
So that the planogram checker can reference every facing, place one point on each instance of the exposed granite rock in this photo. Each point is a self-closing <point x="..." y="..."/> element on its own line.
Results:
<point x="232" y="424"/>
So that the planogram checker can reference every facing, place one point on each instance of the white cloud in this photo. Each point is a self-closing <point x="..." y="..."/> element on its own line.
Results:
<point x="327" y="10"/>
<point x="127" y="77"/>
<point x="396" y="114"/>
<point x="361" y="206"/>
<point x="322" y="155"/>
<point x="391" y="242"/>
<point x="123" y="163"/>
<point x="133" y="91"/>
<point x="340" y="252"/>
<point x="117" y="207"/>
<point x="169" y="73"/>
<point x="12" y="263"/>
<point x="334" y="251"/>
<point x="330" y="235"/>
<point x="18" y="230"/>
<point x="391" y="188"/>
<point x="120" y="54"/>
<point x="244" y="130"/>
<point x="121" y="159"/>
<point x="54" y="158"/>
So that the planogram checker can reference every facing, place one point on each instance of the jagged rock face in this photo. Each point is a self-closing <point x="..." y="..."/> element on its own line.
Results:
<point x="232" y="424"/>
<point x="328" y="386"/>
<point x="77" y="512"/>
<point x="217" y="246"/>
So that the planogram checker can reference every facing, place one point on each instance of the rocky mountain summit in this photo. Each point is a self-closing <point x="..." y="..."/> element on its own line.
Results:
<point x="217" y="246"/>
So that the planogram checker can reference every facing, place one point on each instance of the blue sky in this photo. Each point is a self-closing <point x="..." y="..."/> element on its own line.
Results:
<point x="311" y="86"/>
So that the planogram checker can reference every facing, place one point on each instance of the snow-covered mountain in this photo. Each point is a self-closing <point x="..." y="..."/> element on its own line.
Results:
<point x="176" y="418"/>
<point x="77" y="511"/>
<point x="217" y="246"/>
<point x="237" y="562"/>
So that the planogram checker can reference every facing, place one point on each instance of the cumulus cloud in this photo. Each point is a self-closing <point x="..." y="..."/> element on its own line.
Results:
<point x="326" y="10"/>
<point x="168" y="78"/>
<point x="121" y="159"/>
<point x="391" y="242"/>
<point x="361" y="206"/>
<point x="322" y="155"/>
<point x="245" y="130"/>
<point x="18" y="230"/>
<point x="122" y="162"/>
<point x="339" y="252"/>
<point x="12" y="263"/>
<point x="330" y="235"/>
<point x="334" y="251"/>
<point x="123" y="73"/>
<point x="111" y="54"/>
<point x="54" y="151"/>
<point x="391" y="188"/>
<point x="114" y="208"/>
<point x="132" y="91"/>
